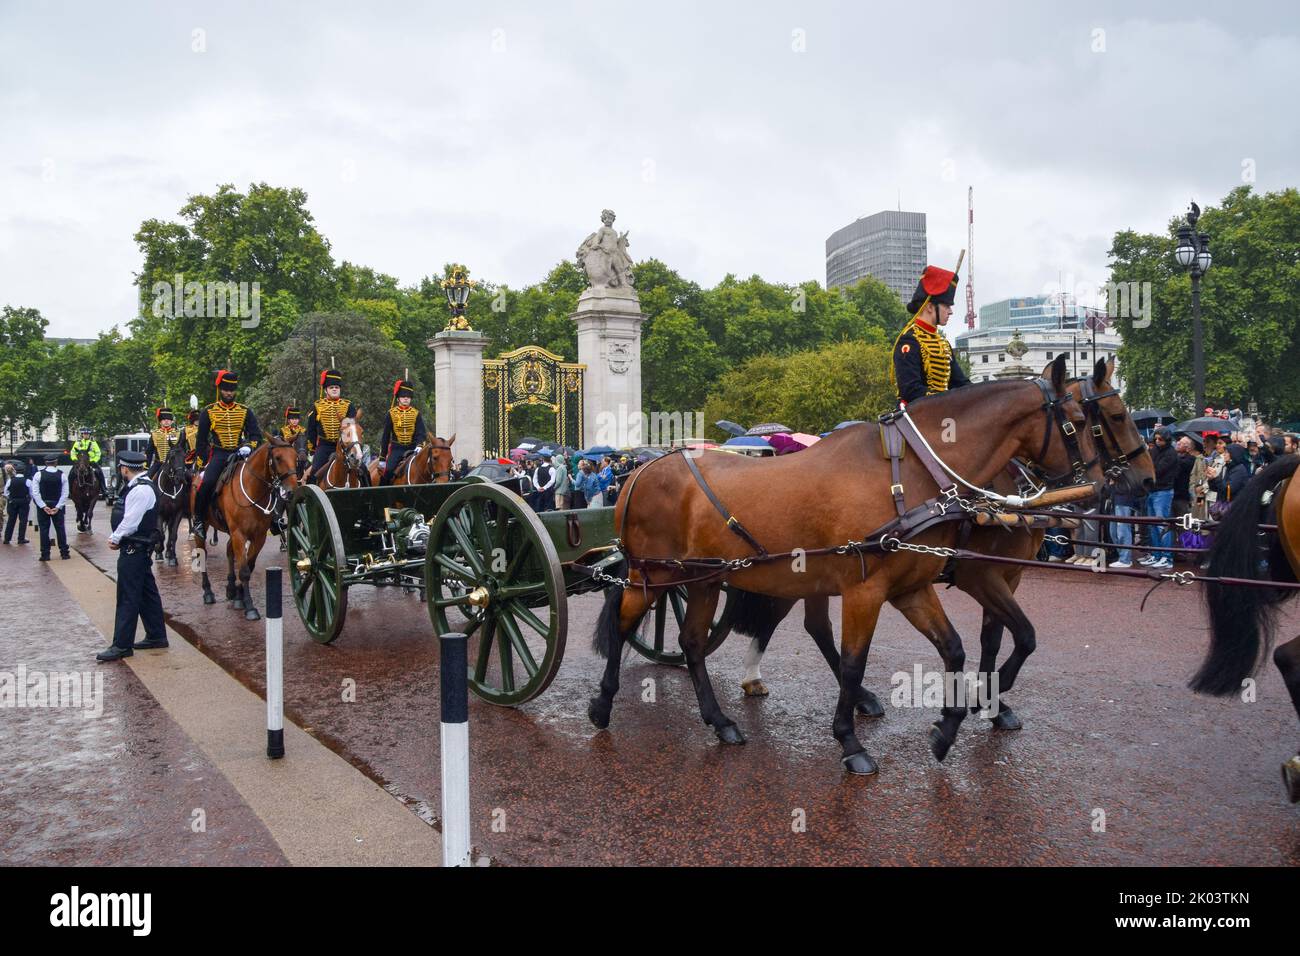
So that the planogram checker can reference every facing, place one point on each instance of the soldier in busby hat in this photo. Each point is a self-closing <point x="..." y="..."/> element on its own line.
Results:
<point x="162" y="440"/>
<point x="923" y="360"/>
<point x="225" y="428"/>
<point x="403" y="429"/>
<point x="324" y="418"/>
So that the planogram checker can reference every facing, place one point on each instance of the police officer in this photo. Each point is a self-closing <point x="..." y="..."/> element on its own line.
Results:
<point x="135" y="525"/>
<point x="50" y="493"/>
<point x="161" y="441"/>
<point x="20" y="499"/>
<point x="225" y="428"/>
<point x="91" y="447"/>
<point x="923" y="360"/>
<point x="403" y="429"/>
<point x="324" y="418"/>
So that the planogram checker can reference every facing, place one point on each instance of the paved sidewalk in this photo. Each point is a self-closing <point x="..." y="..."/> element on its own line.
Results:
<point x="174" y="770"/>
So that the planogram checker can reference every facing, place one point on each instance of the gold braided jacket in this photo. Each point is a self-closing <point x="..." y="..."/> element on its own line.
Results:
<point x="290" y="432"/>
<point x="403" y="420"/>
<point x="227" y="424"/>
<point x="329" y="412"/>
<point x="936" y="357"/>
<point x="164" y="440"/>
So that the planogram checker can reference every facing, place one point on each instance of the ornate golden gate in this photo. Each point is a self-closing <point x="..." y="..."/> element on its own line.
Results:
<point x="531" y="376"/>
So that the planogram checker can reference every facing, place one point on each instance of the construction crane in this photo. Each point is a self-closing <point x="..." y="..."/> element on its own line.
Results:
<point x="970" y="262"/>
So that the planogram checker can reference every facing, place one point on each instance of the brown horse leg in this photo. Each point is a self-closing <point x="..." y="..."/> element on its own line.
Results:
<point x="921" y="607"/>
<point x="623" y="610"/>
<point x="248" y="560"/>
<point x="860" y="611"/>
<point x="201" y="560"/>
<point x="1001" y="611"/>
<point x="701" y="602"/>
<point x="817" y="622"/>
<point x="1287" y="658"/>
<point x="232" y="594"/>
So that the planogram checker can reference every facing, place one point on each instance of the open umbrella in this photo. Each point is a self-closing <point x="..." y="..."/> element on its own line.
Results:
<point x="798" y="441"/>
<point x="769" y="428"/>
<point x="1208" y="423"/>
<point x="847" y="424"/>
<point x="598" y="450"/>
<point x="746" y="441"/>
<point x="731" y="428"/>
<point x="648" y="452"/>
<point x="1152" y="414"/>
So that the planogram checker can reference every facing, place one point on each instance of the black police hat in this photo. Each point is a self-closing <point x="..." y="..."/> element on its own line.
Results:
<point x="51" y="459"/>
<point x="132" y="459"/>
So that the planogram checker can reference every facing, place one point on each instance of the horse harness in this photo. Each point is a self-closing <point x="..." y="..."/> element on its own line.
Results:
<point x="1091" y="402"/>
<point x="897" y="433"/>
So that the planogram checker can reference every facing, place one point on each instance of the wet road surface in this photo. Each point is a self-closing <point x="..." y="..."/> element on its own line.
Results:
<point x="1112" y="739"/>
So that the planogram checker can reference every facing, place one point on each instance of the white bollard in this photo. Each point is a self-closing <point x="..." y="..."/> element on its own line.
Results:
<point x="453" y="666"/>
<point x="274" y="666"/>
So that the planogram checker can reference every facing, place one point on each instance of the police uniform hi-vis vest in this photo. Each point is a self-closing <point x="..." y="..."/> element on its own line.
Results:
<point x="226" y="424"/>
<point x="164" y="440"/>
<point x="936" y="357"/>
<point x="329" y="413"/>
<point x="403" y="420"/>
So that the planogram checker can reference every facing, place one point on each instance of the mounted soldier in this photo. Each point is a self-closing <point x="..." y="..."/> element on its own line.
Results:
<point x="924" y="363"/>
<point x="91" y="447"/>
<point x="226" y="429"/>
<point x="403" y="429"/>
<point x="323" y="420"/>
<point x="192" y="438"/>
<point x="161" y="442"/>
<point x="292" y="426"/>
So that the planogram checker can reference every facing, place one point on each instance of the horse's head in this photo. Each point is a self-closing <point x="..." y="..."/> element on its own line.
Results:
<point x="349" y="445"/>
<point x="278" y="467"/>
<point x="1066" y="452"/>
<point x="439" y="461"/>
<point x="1123" y="452"/>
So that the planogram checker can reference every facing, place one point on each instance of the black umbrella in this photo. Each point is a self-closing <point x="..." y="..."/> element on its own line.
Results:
<point x="731" y="428"/>
<point x="1208" y="423"/>
<point x="1152" y="414"/>
<point x="770" y="428"/>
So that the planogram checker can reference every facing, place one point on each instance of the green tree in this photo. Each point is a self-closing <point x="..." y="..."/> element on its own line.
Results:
<point x="23" y="369"/>
<point x="679" y="363"/>
<point x="1250" y="307"/>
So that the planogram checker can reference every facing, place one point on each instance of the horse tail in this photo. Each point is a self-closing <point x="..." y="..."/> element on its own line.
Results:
<point x="752" y="613"/>
<point x="1243" y="618"/>
<point x="607" y="639"/>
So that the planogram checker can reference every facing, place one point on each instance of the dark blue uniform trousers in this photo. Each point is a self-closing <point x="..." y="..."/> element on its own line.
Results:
<point x="43" y="522"/>
<point x="137" y="599"/>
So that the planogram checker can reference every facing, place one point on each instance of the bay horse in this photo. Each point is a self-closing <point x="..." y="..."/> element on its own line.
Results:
<point x="431" y="463"/>
<point x="83" y="489"/>
<point x="173" y="485"/>
<point x="1243" y="619"/>
<point x="346" y="467"/>
<point x="244" y="508"/>
<point x="844" y="484"/>
<point x="993" y="586"/>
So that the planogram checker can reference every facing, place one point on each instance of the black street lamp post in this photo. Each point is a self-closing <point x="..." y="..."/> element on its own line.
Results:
<point x="1193" y="254"/>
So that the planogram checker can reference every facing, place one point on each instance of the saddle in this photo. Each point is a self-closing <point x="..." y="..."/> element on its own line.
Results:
<point x="226" y="473"/>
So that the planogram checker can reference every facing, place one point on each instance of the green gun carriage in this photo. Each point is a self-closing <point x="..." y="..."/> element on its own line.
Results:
<point x="485" y="563"/>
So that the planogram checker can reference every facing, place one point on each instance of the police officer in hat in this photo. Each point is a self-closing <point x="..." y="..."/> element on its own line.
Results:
<point x="50" y="494"/>
<point x="403" y="429"/>
<point x="324" y="418"/>
<point x="923" y="360"/>
<point x="88" y="444"/>
<point x="135" y="525"/>
<point x="225" y="428"/>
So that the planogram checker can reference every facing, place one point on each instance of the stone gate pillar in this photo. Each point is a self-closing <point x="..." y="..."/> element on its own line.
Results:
<point x="609" y="344"/>
<point x="458" y="391"/>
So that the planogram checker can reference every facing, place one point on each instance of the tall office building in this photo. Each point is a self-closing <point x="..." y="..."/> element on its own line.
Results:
<point x="889" y="246"/>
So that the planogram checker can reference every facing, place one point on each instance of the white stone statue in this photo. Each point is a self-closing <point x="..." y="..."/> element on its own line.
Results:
<point x="604" y="258"/>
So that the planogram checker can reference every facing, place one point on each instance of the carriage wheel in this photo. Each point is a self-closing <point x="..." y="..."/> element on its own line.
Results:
<point x="491" y="572"/>
<point x="317" y="564"/>
<point x="656" y="637"/>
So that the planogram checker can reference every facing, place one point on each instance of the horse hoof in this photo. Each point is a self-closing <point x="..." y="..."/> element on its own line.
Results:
<point x="753" y="688"/>
<point x="939" y="744"/>
<point x="236" y="603"/>
<point x="869" y="705"/>
<point x="1291" y="778"/>
<point x="598" y="713"/>
<point x="171" y="562"/>
<point x="729" y="734"/>
<point x="208" y="598"/>
<point x="1005" y="719"/>
<point x="859" y="763"/>
<point x="252" y="615"/>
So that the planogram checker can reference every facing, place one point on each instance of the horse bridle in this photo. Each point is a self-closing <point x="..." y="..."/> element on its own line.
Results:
<point x="275" y="484"/>
<point x="1054" y="407"/>
<point x="1116" y="465"/>
<point x="435" y="475"/>
<point x="168" y="471"/>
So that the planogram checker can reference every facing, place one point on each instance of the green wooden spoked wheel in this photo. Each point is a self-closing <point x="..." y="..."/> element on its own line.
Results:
<point x="491" y="572"/>
<point x="656" y="637"/>
<point x="317" y="564"/>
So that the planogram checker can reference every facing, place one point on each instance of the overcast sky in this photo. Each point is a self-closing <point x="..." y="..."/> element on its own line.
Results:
<point x="728" y="137"/>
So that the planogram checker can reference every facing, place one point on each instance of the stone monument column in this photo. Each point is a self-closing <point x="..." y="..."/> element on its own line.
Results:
<point x="609" y="319"/>
<point x="458" y="391"/>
